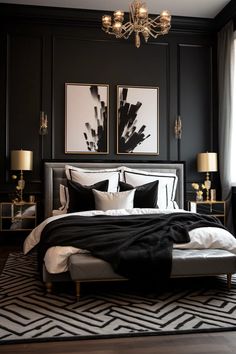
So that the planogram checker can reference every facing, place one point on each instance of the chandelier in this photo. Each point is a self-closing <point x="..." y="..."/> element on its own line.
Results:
<point x="139" y="22"/>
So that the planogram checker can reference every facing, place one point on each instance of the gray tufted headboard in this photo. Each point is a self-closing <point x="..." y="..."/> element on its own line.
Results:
<point x="54" y="175"/>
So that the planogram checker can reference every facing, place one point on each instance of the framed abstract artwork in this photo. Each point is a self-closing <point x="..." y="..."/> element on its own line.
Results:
<point x="138" y="120"/>
<point x="86" y="118"/>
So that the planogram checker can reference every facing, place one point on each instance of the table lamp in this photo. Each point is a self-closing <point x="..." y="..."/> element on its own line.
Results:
<point x="21" y="160"/>
<point x="207" y="162"/>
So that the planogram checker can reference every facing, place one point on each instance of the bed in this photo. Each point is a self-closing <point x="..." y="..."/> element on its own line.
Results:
<point x="210" y="251"/>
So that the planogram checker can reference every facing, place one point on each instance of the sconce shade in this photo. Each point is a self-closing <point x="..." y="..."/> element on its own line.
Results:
<point x="207" y="162"/>
<point x="21" y="160"/>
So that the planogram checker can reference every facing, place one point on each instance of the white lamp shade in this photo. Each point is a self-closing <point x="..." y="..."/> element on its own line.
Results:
<point x="207" y="162"/>
<point x="21" y="160"/>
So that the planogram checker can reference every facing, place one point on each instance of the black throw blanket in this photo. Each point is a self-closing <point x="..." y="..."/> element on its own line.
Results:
<point x="139" y="247"/>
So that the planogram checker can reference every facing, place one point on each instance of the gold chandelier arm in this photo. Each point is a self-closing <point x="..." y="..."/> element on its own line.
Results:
<point x="127" y="26"/>
<point x="154" y="32"/>
<point x="131" y="13"/>
<point x="128" y="33"/>
<point x="153" y="23"/>
<point x="154" y="20"/>
<point x="127" y="29"/>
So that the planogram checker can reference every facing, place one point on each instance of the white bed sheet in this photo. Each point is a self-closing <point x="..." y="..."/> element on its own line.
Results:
<point x="56" y="258"/>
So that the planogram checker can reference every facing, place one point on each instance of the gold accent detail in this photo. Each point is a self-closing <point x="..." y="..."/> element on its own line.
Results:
<point x="139" y="23"/>
<point x="178" y="128"/>
<point x="43" y="127"/>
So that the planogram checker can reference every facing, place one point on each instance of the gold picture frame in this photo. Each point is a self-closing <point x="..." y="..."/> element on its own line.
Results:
<point x="137" y="120"/>
<point x="86" y="118"/>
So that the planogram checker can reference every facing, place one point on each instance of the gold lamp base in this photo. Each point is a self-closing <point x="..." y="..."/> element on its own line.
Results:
<point x="207" y="185"/>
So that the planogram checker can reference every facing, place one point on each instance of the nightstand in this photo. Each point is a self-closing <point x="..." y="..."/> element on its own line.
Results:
<point x="18" y="216"/>
<point x="211" y="207"/>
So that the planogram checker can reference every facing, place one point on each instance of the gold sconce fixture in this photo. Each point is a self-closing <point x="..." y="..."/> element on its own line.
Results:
<point x="207" y="162"/>
<point x="139" y="23"/>
<point x="178" y="128"/>
<point x="43" y="127"/>
<point x="21" y="160"/>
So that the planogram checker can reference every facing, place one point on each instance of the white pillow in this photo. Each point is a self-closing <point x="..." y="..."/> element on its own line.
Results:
<point x="166" y="189"/>
<point x="210" y="237"/>
<point x="89" y="177"/>
<point x="117" y="200"/>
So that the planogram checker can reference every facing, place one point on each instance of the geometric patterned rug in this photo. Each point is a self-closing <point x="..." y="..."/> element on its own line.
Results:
<point x="105" y="310"/>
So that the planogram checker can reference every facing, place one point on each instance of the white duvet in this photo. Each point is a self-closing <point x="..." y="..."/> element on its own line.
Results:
<point x="56" y="258"/>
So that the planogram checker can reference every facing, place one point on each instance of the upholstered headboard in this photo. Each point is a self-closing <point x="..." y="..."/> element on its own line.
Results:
<point x="54" y="173"/>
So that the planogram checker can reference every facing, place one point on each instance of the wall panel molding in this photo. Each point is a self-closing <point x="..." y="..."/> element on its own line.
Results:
<point x="195" y="104"/>
<point x="48" y="47"/>
<point x="24" y="96"/>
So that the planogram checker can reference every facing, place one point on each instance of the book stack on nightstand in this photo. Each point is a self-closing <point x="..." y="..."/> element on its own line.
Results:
<point x="209" y="207"/>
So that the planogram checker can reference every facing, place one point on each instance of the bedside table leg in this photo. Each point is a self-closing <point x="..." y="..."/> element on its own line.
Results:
<point x="77" y="287"/>
<point x="48" y="286"/>
<point x="229" y="278"/>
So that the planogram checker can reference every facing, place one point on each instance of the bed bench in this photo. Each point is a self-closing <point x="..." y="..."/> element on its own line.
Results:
<point x="185" y="263"/>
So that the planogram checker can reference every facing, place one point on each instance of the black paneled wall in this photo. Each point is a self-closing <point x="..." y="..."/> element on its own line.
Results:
<point x="44" y="48"/>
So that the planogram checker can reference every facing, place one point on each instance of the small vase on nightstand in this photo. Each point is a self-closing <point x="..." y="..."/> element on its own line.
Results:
<point x="199" y="196"/>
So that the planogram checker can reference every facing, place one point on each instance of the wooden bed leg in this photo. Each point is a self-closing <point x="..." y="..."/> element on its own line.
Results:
<point x="229" y="278"/>
<point x="48" y="286"/>
<point x="77" y="287"/>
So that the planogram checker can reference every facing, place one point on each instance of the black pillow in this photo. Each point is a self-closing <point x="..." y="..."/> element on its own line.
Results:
<point x="145" y="196"/>
<point x="81" y="197"/>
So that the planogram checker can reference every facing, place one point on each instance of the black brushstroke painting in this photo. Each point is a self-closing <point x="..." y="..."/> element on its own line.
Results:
<point x="95" y="133"/>
<point x="129" y="137"/>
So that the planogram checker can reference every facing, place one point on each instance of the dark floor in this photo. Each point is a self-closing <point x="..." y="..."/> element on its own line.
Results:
<point x="207" y="343"/>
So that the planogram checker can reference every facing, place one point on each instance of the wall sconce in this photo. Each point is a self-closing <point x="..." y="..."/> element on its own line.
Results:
<point x="43" y="128"/>
<point x="21" y="160"/>
<point x="178" y="128"/>
<point x="207" y="162"/>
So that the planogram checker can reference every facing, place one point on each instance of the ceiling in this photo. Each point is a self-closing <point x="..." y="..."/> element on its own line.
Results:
<point x="192" y="8"/>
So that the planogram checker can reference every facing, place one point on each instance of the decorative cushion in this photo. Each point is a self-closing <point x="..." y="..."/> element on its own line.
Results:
<point x="89" y="177"/>
<point x="117" y="200"/>
<point x="81" y="197"/>
<point x="145" y="196"/>
<point x="166" y="188"/>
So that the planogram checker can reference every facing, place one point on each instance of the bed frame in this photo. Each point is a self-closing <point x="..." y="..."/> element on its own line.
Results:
<point x="86" y="268"/>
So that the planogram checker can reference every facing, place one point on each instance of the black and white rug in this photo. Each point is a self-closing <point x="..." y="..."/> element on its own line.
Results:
<point x="108" y="310"/>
